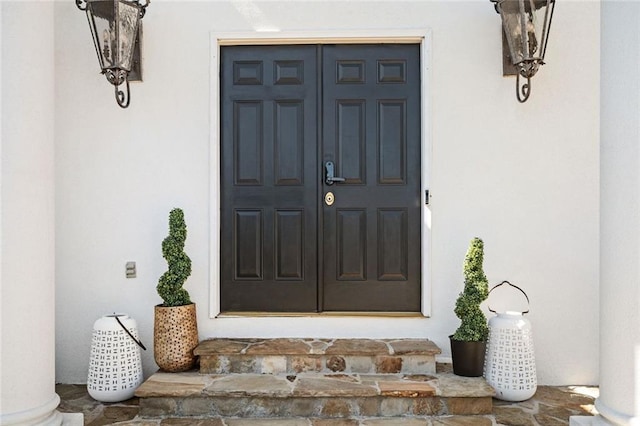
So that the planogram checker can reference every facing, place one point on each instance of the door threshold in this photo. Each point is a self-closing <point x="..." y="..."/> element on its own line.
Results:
<point x="320" y="314"/>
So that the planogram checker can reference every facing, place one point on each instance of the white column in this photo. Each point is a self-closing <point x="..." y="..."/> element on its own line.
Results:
<point x="27" y="284"/>
<point x="619" y="401"/>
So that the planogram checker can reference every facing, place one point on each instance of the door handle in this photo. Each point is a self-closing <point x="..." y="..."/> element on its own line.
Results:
<point x="329" y="174"/>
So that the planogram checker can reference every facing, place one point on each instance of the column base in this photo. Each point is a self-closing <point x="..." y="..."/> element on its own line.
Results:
<point x="598" y="421"/>
<point x="53" y="419"/>
<point x="589" y="421"/>
<point x="610" y="416"/>
<point x="44" y="415"/>
<point x="72" y="419"/>
<point x="606" y="417"/>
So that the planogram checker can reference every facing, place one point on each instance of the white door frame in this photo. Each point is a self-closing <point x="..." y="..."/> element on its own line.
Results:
<point x="421" y="36"/>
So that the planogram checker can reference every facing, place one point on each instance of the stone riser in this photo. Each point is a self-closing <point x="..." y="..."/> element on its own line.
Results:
<point x="337" y="407"/>
<point x="312" y="395"/>
<point x="278" y="364"/>
<point x="295" y="356"/>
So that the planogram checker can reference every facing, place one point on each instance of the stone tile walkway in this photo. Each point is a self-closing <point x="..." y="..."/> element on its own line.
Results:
<point x="550" y="406"/>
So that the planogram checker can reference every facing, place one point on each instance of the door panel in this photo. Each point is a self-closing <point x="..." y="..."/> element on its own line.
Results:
<point x="286" y="111"/>
<point x="371" y="130"/>
<point x="392" y="245"/>
<point x="248" y="146"/>
<point x="392" y="142"/>
<point x="269" y="179"/>
<point x="351" y="139"/>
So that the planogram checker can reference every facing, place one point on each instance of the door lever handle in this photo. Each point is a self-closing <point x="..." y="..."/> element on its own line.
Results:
<point x="329" y="174"/>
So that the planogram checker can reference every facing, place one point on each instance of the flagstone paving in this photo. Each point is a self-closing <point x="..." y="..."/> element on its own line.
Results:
<point x="324" y="382"/>
<point x="550" y="406"/>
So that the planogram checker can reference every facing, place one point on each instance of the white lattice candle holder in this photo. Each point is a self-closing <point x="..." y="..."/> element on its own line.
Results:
<point x="115" y="369"/>
<point x="510" y="365"/>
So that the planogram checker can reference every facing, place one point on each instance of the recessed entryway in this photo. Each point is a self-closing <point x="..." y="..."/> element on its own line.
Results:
<point x="320" y="158"/>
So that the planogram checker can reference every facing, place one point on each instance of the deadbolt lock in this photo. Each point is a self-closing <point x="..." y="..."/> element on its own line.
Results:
<point x="329" y="198"/>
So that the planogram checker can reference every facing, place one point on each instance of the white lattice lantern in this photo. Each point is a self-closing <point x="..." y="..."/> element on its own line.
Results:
<point x="115" y="369"/>
<point x="510" y="366"/>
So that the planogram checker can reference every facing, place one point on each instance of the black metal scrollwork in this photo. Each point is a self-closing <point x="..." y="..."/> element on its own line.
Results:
<point x="523" y="92"/>
<point x="123" y="98"/>
<point x="143" y="7"/>
<point x="118" y="77"/>
<point x="82" y="5"/>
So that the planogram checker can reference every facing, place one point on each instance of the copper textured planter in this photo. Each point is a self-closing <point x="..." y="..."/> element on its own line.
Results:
<point x="175" y="336"/>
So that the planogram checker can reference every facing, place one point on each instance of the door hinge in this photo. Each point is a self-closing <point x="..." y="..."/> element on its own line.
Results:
<point x="426" y="197"/>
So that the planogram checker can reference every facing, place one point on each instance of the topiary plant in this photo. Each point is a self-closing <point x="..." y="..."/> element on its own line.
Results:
<point x="170" y="283"/>
<point x="476" y="289"/>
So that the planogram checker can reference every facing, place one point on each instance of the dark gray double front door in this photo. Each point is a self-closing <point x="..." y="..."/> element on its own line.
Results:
<point x="292" y="240"/>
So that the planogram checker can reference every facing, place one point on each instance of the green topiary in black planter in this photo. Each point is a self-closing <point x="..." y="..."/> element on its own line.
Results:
<point x="468" y="343"/>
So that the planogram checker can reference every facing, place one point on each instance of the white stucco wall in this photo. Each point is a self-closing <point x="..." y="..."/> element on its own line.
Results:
<point x="524" y="177"/>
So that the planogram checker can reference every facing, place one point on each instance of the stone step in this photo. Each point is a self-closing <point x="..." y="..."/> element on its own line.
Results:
<point x="314" y="421"/>
<point x="312" y="395"/>
<point x="295" y="356"/>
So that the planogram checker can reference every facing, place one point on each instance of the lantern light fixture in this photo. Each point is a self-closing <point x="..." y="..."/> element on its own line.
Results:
<point x="115" y="26"/>
<point x="526" y="25"/>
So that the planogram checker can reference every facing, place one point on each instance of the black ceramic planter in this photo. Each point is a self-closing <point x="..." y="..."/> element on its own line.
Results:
<point x="468" y="357"/>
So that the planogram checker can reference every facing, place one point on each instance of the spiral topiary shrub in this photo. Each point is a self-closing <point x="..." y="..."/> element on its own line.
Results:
<point x="179" y="265"/>
<point x="474" y="326"/>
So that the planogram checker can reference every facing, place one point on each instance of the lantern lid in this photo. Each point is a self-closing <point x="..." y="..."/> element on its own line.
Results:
<point x="114" y="315"/>
<point x="512" y="313"/>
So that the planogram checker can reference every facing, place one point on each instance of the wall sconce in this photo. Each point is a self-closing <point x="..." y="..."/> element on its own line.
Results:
<point x="115" y="25"/>
<point x="526" y="25"/>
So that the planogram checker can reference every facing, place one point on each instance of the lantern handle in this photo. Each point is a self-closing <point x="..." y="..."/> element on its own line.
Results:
<point x="138" y="342"/>
<point x="515" y="286"/>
